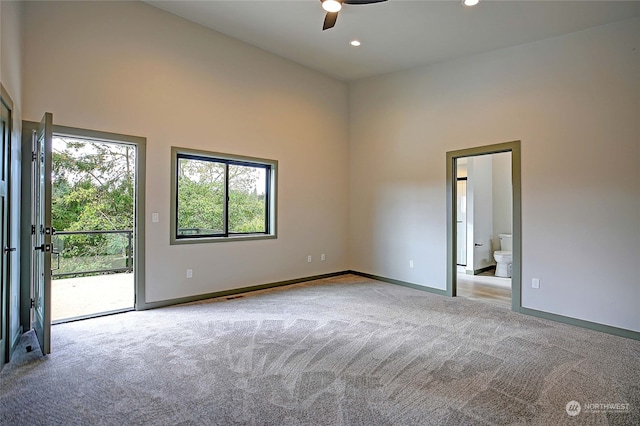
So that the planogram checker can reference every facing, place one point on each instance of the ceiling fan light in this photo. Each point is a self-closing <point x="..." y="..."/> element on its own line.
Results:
<point x="331" y="5"/>
<point x="470" y="2"/>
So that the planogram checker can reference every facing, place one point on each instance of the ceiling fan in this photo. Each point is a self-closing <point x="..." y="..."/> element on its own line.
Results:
<point x="333" y="7"/>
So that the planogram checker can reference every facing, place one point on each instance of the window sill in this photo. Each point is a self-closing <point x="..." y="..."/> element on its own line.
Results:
<point x="205" y="240"/>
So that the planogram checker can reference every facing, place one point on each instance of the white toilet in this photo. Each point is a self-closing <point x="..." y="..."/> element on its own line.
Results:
<point x="504" y="256"/>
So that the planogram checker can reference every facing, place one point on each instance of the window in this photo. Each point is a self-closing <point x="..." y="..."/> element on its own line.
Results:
<point x="221" y="197"/>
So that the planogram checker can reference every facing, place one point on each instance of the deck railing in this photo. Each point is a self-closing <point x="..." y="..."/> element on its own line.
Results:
<point x="84" y="253"/>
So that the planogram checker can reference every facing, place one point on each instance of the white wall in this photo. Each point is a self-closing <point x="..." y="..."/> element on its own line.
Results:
<point x="130" y="68"/>
<point x="573" y="101"/>
<point x="480" y="216"/>
<point x="502" y="197"/>
<point x="11" y="78"/>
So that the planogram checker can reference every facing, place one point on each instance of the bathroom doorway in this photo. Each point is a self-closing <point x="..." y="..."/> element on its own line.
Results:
<point x="483" y="224"/>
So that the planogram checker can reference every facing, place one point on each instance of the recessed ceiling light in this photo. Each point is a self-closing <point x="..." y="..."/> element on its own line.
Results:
<point x="331" y="5"/>
<point x="355" y="43"/>
<point x="470" y="2"/>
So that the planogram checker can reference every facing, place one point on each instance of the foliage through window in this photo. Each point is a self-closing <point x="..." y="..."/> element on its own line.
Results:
<point x="92" y="206"/>
<point x="221" y="196"/>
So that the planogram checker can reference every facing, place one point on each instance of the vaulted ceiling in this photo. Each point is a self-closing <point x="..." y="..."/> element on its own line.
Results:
<point x="397" y="34"/>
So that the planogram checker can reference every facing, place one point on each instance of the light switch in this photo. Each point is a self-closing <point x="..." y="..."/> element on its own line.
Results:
<point x="155" y="217"/>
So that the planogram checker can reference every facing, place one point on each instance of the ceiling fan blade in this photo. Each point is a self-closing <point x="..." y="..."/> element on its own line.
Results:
<point x="330" y="20"/>
<point x="362" y="1"/>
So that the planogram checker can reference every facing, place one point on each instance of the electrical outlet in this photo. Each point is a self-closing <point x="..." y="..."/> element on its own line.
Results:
<point x="189" y="273"/>
<point x="309" y="259"/>
<point x="535" y="283"/>
<point x="323" y="257"/>
<point x="155" y="217"/>
<point x="411" y="264"/>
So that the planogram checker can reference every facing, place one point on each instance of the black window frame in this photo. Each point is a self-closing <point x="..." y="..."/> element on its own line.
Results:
<point x="270" y="168"/>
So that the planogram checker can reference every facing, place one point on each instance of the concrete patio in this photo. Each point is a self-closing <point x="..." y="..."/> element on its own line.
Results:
<point x="74" y="297"/>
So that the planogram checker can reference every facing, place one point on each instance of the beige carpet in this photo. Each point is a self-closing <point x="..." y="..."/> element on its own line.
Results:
<point x="342" y="351"/>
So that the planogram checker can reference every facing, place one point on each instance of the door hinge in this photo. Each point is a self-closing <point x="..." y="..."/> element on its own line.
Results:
<point x="33" y="230"/>
<point x="33" y="303"/>
<point x="34" y="156"/>
<point x="44" y="247"/>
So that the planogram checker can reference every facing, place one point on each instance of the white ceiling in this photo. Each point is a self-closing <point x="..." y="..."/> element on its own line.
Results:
<point x="395" y="35"/>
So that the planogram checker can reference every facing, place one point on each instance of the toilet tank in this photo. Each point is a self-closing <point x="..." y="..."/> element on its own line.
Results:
<point x="505" y="242"/>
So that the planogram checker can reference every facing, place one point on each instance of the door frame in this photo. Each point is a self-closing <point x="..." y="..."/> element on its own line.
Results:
<point x="139" y="207"/>
<point x="516" y="275"/>
<point x="466" y="237"/>
<point x="6" y="290"/>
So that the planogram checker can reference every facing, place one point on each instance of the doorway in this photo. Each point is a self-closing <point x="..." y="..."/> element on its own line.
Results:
<point x="484" y="228"/>
<point x="474" y="233"/>
<point x="82" y="177"/>
<point x="93" y="215"/>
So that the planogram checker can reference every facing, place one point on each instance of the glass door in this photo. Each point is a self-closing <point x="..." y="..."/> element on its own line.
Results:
<point x="41" y="232"/>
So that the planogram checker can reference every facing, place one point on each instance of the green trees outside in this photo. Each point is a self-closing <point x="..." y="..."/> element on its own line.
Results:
<point x="92" y="190"/>
<point x="201" y="189"/>
<point x="93" y="186"/>
<point x="200" y="197"/>
<point x="247" y="207"/>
